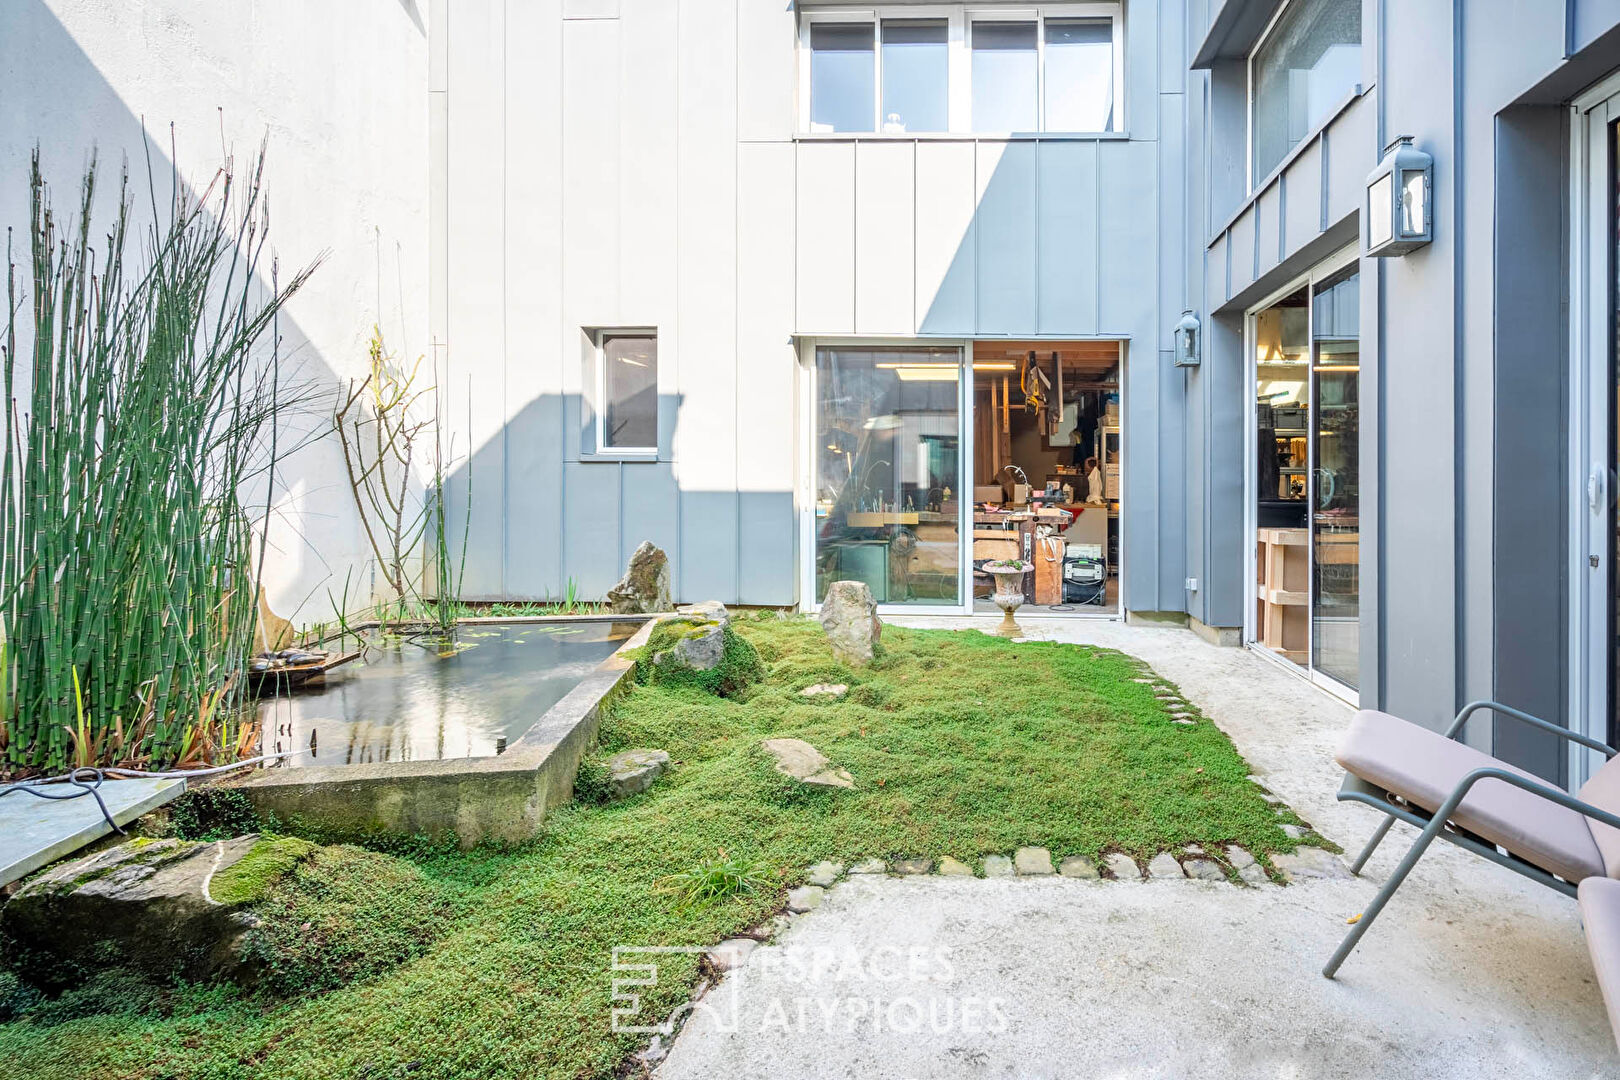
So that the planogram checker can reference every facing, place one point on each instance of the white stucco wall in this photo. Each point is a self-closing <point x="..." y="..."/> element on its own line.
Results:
<point x="340" y="90"/>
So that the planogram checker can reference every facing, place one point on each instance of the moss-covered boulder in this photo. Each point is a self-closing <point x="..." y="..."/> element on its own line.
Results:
<point x="146" y="905"/>
<point x="703" y="653"/>
<point x="270" y="912"/>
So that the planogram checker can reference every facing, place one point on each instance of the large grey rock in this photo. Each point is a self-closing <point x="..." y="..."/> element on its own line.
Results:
<point x="708" y="610"/>
<point x="806" y="764"/>
<point x="142" y="904"/>
<point x="645" y="586"/>
<point x="849" y="616"/>
<point x="701" y="648"/>
<point x="634" y="771"/>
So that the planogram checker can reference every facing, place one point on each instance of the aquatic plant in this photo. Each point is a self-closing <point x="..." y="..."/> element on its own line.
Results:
<point x="141" y="417"/>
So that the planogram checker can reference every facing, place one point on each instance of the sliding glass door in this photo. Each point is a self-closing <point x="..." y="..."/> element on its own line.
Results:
<point x="888" y="483"/>
<point x="1306" y="478"/>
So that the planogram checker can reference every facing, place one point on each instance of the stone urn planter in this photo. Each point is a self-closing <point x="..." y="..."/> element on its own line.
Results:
<point x="1009" y="594"/>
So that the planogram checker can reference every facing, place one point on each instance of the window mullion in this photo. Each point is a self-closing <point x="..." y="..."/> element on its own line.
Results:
<point x="1040" y="71"/>
<point x="877" y="71"/>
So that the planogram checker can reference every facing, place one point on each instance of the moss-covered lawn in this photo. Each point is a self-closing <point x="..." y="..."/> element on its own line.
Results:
<point x="960" y="745"/>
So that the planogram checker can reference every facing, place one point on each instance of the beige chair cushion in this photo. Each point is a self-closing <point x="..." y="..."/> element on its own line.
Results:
<point x="1424" y="767"/>
<point x="1603" y="792"/>
<point x="1600" y="913"/>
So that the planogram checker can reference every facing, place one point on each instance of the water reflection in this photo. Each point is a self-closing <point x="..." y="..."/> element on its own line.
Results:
<point x="412" y="702"/>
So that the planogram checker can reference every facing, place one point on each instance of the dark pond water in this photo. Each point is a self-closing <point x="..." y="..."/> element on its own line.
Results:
<point x="411" y="701"/>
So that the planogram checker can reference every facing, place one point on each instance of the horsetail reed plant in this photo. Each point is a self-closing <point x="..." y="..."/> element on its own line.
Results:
<point x="140" y="413"/>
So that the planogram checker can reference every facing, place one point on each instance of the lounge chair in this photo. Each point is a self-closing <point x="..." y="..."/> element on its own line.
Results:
<point x="1498" y="812"/>
<point x="1600" y="914"/>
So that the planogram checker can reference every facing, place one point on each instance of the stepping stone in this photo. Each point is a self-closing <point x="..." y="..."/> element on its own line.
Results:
<point x="1238" y="857"/>
<point x="1254" y="874"/>
<point x="1164" y="866"/>
<point x="1122" y="866"/>
<point x="805" y="898"/>
<point x="1204" y="870"/>
<point x="825" y="873"/>
<point x="1294" y="832"/>
<point x="912" y="866"/>
<point x="949" y="867"/>
<point x="828" y="690"/>
<point x="1310" y="862"/>
<point x="869" y="866"/>
<point x="1076" y="867"/>
<point x="732" y="953"/>
<point x="1032" y="861"/>
<point x="804" y="763"/>
<point x="998" y="866"/>
<point x="1178" y="720"/>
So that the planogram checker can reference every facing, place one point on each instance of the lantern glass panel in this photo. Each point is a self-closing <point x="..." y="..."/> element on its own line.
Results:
<point x="1380" y="211"/>
<point x="1414" y="209"/>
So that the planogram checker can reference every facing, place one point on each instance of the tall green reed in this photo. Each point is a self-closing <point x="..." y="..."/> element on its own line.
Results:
<point x="138" y="461"/>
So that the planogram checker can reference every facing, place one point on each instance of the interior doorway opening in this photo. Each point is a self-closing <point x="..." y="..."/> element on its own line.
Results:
<point x="1047" y="471"/>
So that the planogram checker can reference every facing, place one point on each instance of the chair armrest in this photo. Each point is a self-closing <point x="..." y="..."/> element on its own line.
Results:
<point x="1535" y="787"/>
<point x="1455" y="730"/>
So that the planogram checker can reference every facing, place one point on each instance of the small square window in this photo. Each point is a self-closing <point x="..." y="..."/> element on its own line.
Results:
<point x="629" y="413"/>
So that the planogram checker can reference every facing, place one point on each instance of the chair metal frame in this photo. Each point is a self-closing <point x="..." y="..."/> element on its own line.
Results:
<point x="1434" y="825"/>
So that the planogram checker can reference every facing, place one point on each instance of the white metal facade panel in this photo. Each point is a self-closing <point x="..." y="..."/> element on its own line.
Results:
<point x="826" y="230"/>
<point x="945" y="258"/>
<point x="1005" y="238"/>
<point x="885" y="252"/>
<point x="1069" y="271"/>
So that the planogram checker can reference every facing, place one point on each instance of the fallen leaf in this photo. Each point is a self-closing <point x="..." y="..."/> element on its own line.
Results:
<point x="1354" y="918"/>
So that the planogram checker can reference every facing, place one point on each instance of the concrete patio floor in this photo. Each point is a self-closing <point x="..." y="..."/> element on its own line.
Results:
<point x="1471" y="971"/>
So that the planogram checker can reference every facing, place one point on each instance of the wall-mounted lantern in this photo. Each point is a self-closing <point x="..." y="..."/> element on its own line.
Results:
<point x="1400" y="200"/>
<point x="1187" y="340"/>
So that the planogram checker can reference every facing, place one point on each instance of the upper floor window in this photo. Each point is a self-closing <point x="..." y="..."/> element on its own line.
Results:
<point x="1306" y="62"/>
<point x="914" y="69"/>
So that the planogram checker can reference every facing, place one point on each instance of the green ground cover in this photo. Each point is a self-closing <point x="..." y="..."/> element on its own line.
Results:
<point x="960" y="745"/>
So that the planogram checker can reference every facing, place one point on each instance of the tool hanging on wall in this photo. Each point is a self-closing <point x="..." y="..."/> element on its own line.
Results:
<point x="1034" y="383"/>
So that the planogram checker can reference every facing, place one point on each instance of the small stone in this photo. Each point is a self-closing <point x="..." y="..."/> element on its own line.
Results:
<point x="1270" y="798"/>
<point x="1238" y="857"/>
<point x="1178" y="720"/>
<point x="1204" y="870"/>
<point x="1076" y="867"/>
<point x="700" y="649"/>
<point x="1164" y="866"/>
<point x="806" y="764"/>
<point x="1141" y="679"/>
<point x="773" y="926"/>
<point x="912" y="866"/>
<point x="1294" y="832"/>
<point x="869" y="866"/>
<point x="822" y="689"/>
<point x="949" y="867"/>
<point x="1122" y="866"/>
<point x="656" y="1051"/>
<point x="708" y="610"/>
<point x="1032" y="861"/>
<point x="634" y="771"/>
<point x="824" y="873"/>
<point x="998" y="866"/>
<point x="732" y="953"/>
<point x="1254" y="874"/>
<point x="805" y="898"/>
<point x="1310" y="862"/>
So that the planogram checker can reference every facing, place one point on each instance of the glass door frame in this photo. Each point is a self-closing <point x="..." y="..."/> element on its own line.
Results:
<point x="1323" y="270"/>
<point x="809" y="397"/>
<point x="1592" y="537"/>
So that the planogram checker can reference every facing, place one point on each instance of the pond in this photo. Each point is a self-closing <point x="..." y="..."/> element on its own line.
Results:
<point x="415" y="700"/>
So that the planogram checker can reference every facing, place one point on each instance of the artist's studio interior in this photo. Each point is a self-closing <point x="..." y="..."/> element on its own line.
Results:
<point x="1041" y="481"/>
